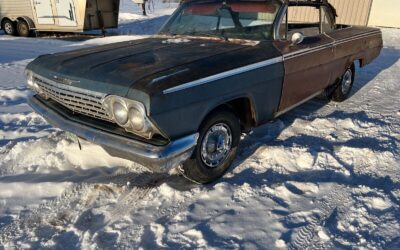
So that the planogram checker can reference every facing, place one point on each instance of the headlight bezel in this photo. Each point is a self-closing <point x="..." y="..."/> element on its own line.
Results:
<point x="29" y="78"/>
<point x="148" y="130"/>
<point x="34" y="86"/>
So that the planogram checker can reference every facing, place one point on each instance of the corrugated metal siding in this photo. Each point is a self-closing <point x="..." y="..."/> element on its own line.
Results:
<point x="354" y="12"/>
<point x="303" y="14"/>
<point x="15" y="8"/>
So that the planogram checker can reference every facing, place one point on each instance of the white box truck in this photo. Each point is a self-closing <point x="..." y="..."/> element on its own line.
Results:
<point x="21" y="17"/>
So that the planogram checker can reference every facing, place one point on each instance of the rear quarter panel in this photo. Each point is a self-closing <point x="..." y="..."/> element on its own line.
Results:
<point x="355" y="44"/>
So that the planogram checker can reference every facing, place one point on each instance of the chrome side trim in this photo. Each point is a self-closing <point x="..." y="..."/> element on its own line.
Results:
<point x="297" y="104"/>
<point x="168" y="76"/>
<point x="267" y="62"/>
<point x="329" y="45"/>
<point x="224" y="75"/>
<point x="355" y="38"/>
<point x="307" y="51"/>
<point x="155" y="158"/>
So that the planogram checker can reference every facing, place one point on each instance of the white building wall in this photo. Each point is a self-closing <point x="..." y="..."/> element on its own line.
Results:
<point x="385" y="13"/>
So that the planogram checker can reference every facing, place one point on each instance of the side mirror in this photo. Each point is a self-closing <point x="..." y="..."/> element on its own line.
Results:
<point x="297" y="38"/>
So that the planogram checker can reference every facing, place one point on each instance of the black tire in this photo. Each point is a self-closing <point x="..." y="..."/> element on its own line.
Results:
<point x="345" y="85"/>
<point x="196" y="168"/>
<point x="23" y="28"/>
<point x="9" y="27"/>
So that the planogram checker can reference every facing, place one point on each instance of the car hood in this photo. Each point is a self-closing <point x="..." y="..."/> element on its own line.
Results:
<point x="134" y="64"/>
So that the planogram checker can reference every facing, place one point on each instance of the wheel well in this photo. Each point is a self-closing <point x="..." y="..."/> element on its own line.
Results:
<point x="242" y="108"/>
<point x="29" y="21"/>
<point x="5" y="19"/>
<point x="353" y="65"/>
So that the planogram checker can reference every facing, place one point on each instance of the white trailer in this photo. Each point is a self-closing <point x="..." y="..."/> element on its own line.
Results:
<point x="21" y="17"/>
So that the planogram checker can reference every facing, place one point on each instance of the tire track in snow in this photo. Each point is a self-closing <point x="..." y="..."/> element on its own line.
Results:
<point x="307" y="237"/>
<point x="74" y="207"/>
<point x="66" y="210"/>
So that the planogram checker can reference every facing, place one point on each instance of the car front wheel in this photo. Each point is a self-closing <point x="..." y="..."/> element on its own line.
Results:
<point x="216" y="148"/>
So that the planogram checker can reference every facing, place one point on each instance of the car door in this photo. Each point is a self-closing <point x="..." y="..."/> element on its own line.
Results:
<point x="307" y="64"/>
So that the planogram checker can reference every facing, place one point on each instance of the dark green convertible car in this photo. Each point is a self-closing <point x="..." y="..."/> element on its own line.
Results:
<point x="217" y="68"/>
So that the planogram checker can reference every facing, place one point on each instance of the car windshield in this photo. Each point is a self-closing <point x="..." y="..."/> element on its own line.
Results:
<point x="250" y="20"/>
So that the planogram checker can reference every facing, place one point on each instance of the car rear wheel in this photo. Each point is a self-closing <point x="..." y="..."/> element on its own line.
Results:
<point x="216" y="148"/>
<point x="23" y="28"/>
<point x="9" y="27"/>
<point x="345" y="85"/>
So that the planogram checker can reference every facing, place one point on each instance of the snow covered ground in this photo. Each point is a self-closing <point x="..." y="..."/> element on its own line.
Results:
<point x="325" y="175"/>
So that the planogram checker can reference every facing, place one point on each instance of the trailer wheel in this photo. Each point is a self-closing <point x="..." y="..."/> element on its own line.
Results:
<point x="9" y="27"/>
<point x="23" y="28"/>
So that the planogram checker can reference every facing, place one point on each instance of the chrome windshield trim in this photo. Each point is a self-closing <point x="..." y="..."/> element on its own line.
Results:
<point x="224" y="75"/>
<point x="281" y="14"/>
<point x="168" y="75"/>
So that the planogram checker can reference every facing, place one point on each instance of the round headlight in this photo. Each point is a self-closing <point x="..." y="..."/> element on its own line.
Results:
<point x="120" y="113"/>
<point x="137" y="119"/>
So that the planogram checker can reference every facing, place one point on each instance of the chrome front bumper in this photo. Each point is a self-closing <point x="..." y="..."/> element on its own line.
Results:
<point x="155" y="158"/>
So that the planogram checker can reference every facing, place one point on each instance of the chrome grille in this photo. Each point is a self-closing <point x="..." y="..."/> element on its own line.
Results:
<point x="75" y="99"/>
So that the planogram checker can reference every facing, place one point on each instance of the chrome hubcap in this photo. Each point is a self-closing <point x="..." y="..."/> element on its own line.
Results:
<point x="8" y="28"/>
<point x="346" y="81"/>
<point x="216" y="145"/>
